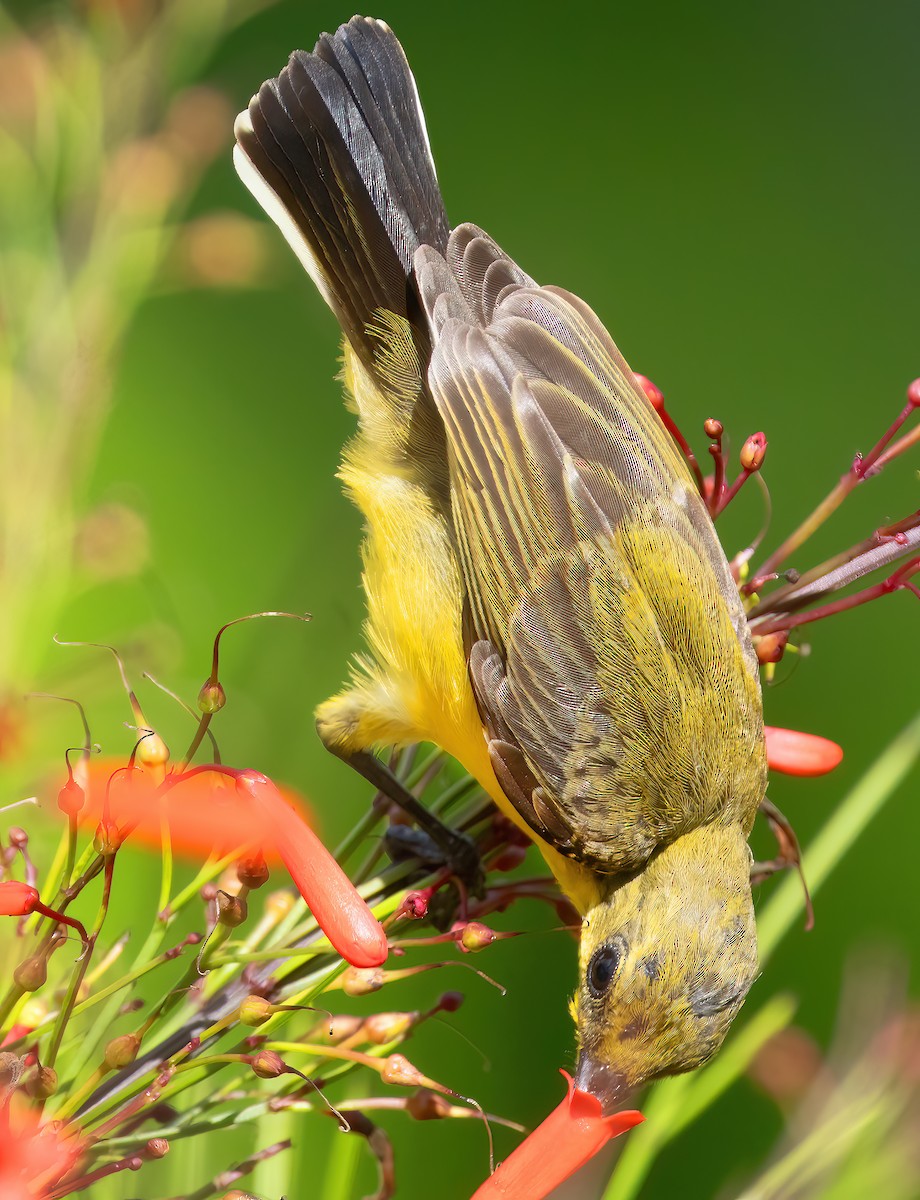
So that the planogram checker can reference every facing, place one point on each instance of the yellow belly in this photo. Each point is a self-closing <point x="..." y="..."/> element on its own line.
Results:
<point x="414" y="685"/>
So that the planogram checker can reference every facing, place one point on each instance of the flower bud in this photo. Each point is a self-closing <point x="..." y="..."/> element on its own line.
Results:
<point x="157" y="1148"/>
<point x="19" y="839"/>
<point x="426" y="1105"/>
<point x="71" y="798"/>
<point x="252" y="872"/>
<point x="361" y="981"/>
<point x="107" y="839"/>
<point x="473" y="935"/>
<point x="792" y="752"/>
<point x="770" y="647"/>
<point x="414" y="906"/>
<point x="17" y="899"/>
<point x="43" y="1083"/>
<point x="255" y="1010"/>
<point x="268" y="1065"/>
<point x="152" y="751"/>
<point x="381" y="1028"/>
<point x="400" y="1072"/>
<point x="654" y="394"/>
<point x="753" y="452"/>
<point x="913" y="393"/>
<point x="713" y="428"/>
<point x="336" y="1028"/>
<point x="231" y="910"/>
<point x="31" y="973"/>
<point x="211" y="698"/>
<point x="121" y="1051"/>
<point x="451" y="1001"/>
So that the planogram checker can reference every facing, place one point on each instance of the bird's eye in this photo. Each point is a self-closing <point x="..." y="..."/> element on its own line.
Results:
<point x="602" y="968"/>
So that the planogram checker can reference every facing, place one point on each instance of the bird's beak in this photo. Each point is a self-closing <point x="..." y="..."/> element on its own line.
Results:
<point x="603" y="1081"/>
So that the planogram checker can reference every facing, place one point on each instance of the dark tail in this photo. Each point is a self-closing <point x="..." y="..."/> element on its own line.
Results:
<point x="335" y="150"/>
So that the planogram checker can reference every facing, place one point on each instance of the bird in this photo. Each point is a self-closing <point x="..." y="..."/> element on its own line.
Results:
<point x="546" y="597"/>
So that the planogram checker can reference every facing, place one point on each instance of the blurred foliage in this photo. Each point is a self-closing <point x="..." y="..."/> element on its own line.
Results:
<point x="733" y="189"/>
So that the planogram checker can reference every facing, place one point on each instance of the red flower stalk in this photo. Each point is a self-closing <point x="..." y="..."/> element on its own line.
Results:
<point x="792" y="752"/>
<point x="571" y="1135"/>
<point x="342" y="915"/>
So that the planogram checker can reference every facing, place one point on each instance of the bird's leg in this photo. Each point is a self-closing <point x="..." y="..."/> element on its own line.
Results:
<point x="459" y="851"/>
<point x="789" y="855"/>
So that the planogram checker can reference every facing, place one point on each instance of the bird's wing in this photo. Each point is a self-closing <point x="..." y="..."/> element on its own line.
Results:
<point x="609" y="651"/>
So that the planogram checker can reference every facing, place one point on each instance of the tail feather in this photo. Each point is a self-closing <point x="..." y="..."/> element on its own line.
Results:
<point x="336" y="152"/>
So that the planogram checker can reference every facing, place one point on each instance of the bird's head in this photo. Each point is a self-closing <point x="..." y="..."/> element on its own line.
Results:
<point x="667" y="958"/>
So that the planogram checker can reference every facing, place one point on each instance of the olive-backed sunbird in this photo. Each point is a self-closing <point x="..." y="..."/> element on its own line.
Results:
<point x="546" y="596"/>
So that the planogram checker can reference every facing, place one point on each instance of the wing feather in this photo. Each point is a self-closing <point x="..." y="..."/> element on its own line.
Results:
<point x="609" y="653"/>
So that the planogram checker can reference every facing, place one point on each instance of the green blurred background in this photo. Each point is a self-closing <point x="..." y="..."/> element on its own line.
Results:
<point x="734" y="189"/>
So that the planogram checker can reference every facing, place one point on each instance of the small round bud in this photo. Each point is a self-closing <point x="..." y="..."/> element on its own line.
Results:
<point x="255" y="1010"/>
<point x="152" y="751"/>
<point x="753" y="452"/>
<point x="31" y="973"/>
<point x="381" y="1028"/>
<point x="426" y="1105"/>
<point x="414" y="906"/>
<point x="211" y="698"/>
<point x="121" y="1051"/>
<point x="653" y="394"/>
<point x="473" y="935"/>
<point x="451" y="1001"/>
<point x="107" y="839"/>
<point x="252" y="872"/>
<point x="713" y="428"/>
<point x="231" y="910"/>
<point x="43" y="1083"/>
<point x="399" y="1071"/>
<point x="336" y="1028"/>
<point x="268" y="1065"/>
<point x="208" y="893"/>
<point x="71" y="798"/>
<point x="913" y="393"/>
<point x="770" y="647"/>
<point x="361" y="981"/>
<point x="157" y="1148"/>
<point x="18" y="837"/>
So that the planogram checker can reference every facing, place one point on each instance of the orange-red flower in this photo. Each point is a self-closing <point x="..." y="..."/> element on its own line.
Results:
<point x="571" y="1135"/>
<point x="205" y="812"/>
<point x="33" y="1157"/>
<point x="792" y="752"/>
<point x="342" y="915"/>
<point x="17" y="899"/>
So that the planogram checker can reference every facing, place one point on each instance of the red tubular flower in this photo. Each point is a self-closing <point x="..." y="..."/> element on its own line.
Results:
<point x="205" y="813"/>
<point x="342" y="915"/>
<point x="792" y="752"/>
<point x="33" y="1158"/>
<point x="571" y="1135"/>
<point x="17" y="899"/>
